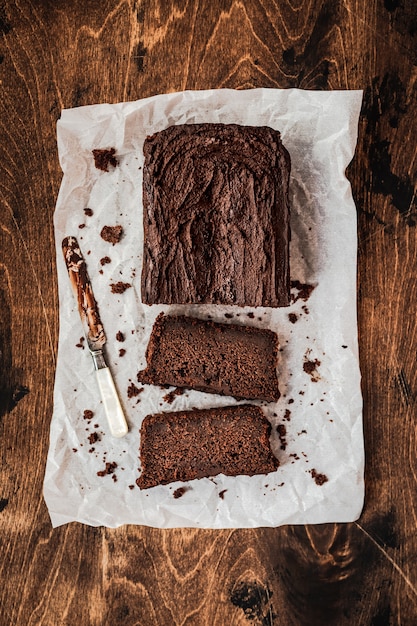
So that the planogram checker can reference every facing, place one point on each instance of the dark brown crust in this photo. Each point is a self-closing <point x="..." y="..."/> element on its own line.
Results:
<point x="226" y="359"/>
<point x="216" y="216"/>
<point x="185" y="445"/>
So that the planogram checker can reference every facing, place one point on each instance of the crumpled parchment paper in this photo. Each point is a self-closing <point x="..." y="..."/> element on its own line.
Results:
<point x="321" y="445"/>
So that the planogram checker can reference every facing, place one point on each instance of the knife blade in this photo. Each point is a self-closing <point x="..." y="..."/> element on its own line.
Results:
<point x="94" y="333"/>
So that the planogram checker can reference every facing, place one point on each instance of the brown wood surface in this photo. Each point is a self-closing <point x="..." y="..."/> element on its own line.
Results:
<point x="57" y="54"/>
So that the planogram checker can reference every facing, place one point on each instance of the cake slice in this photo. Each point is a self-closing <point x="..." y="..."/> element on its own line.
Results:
<point x="226" y="359"/>
<point x="216" y="216"/>
<point x="185" y="445"/>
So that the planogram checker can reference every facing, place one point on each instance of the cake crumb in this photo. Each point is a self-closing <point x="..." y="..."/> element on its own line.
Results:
<point x="93" y="438"/>
<point x="310" y="368"/>
<point x="319" y="479"/>
<point x="304" y="290"/>
<point x="103" y="157"/>
<point x="88" y="211"/>
<point x="131" y="486"/>
<point x="120" y="336"/>
<point x="88" y="415"/>
<point x="170" y="397"/>
<point x="221" y="493"/>
<point x="282" y="432"/>
<point x="122" y="352"/>
<point x="112" y="234"/>
<point x="178" y="493"/>
<point x="133" y="391"/>
<point x="105" y="260"/>
<point x="293" y="317"/>
<point x="109" y="469"/>
<point x="119" y="287"/>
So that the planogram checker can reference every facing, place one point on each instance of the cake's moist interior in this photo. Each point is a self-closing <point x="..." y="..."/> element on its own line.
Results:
<point x="228" y="359"/>
<point x="193" y="444"/>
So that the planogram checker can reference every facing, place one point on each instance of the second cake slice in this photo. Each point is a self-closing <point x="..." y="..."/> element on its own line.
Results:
<point x="226" y="359"/>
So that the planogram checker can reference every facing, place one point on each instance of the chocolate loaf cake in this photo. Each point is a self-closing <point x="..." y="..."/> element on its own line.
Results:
<point x="185" y="445"/>
<point x="226" y="359"/>
<point x="216" y="216"/>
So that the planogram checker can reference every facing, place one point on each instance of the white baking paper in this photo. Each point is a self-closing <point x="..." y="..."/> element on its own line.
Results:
<point x="321" y="410"/>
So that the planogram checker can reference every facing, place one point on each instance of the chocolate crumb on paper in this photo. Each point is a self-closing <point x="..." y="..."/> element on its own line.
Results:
<point x="133" y="391"/>
<point x="221" y="493"/>
<point x="93" y="438"/>
<point x="122" y="352"/>
<point x="170" y="397"/>
<point x="88" y="415"/>
<point x="112" y="234"/>
<point x="178" y="493"/>
<point x="310" y="367"/>
<point x="293" y="317"/>
<point x="109" y="469"/>
<point x="120" y="336"/>
<point x="303" y="291"/>
<point x="88" y="211"/>
<point x="282" y="432"/>
<point x="105" y="260"/>
<point x="119" y="287"/>
<point x="103" y="157"/>
<point x="319" y="479"/>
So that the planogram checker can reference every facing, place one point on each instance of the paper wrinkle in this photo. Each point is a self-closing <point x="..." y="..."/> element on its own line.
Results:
<point x="324" y="429"/>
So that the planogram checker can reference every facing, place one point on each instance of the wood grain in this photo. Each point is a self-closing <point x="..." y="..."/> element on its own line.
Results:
<point x="54" y="55"/>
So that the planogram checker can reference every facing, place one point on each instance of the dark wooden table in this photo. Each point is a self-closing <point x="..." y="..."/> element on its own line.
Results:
<point x="56" y="54"/>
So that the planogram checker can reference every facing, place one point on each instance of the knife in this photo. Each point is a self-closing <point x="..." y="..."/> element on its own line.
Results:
<point x="94" y="332"/>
